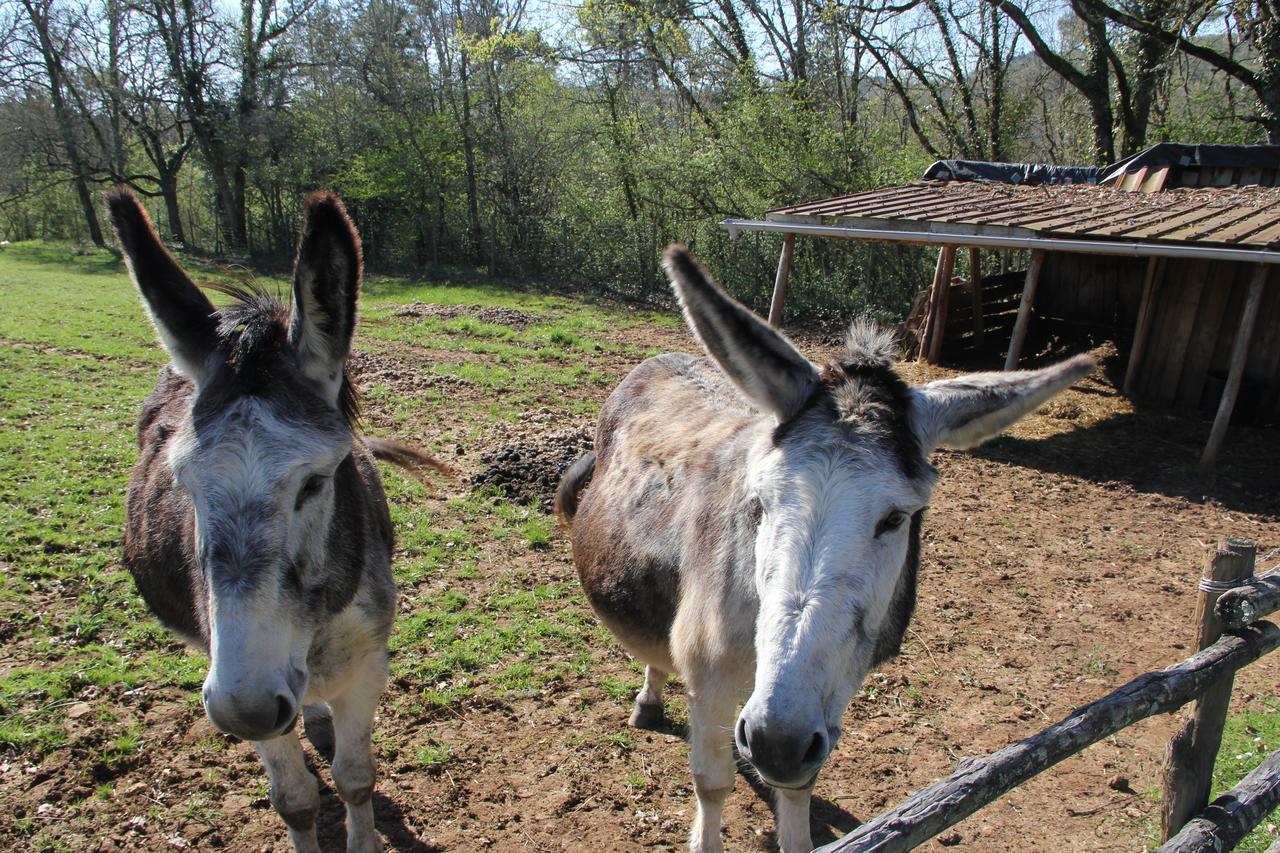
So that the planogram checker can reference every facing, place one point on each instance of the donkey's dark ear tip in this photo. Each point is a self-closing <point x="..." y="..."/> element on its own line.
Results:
<point x="324" y="204"/>
<point x="681" y="265"/>
<point x="123" y="205"/>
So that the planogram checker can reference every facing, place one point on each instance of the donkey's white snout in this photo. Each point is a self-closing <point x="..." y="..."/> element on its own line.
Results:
<point x="784" y="753"/>
<point x="251" y="714"/>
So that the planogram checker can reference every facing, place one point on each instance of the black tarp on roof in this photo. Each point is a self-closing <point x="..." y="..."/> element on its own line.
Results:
<point x="1161" y="154"/>
<point x="1012" y="173"/>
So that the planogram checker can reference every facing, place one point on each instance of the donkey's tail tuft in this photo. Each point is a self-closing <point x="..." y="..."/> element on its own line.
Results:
<point x="572" y="482"/>
<point x="416" y="462"/>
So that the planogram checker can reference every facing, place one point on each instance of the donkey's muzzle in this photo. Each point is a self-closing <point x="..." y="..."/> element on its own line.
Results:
<point x="784" y="756"/>
<point x="251" y="717"/>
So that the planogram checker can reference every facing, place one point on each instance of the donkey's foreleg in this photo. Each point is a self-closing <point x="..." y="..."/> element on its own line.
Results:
<point x="353" y="765"/>
<point x="792" y="813"/>
<point x="647" y="713"/>
<point x="711" y="712"/>
<point x="295" y="791"/>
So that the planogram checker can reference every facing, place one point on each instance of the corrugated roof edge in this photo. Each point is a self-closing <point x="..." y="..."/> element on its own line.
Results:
<point x="1208" y="156"/>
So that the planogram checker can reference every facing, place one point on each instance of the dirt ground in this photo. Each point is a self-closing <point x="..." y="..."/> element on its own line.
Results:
<point x="1058" y="563"/>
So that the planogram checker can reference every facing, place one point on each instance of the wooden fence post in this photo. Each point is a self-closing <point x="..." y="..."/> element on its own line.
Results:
<point x="1189" y="757"/>
<point x="780" y="282"/>
<point x="947" y="260"/>
<point x="975" y="293"/>
<point x="1024" y="309"/>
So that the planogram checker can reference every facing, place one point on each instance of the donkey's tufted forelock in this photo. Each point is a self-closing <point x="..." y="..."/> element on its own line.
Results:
<point x="253" y="334"/>
<point x="869" y="343"/>
<point x="864" y="394"/>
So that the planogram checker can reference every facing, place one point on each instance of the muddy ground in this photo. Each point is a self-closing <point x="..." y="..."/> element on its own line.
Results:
<point x="1058" y="563"/>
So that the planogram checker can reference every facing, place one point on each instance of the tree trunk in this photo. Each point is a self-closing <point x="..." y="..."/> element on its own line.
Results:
<point x="169" y="190"/>
<point x="39" y="17"/>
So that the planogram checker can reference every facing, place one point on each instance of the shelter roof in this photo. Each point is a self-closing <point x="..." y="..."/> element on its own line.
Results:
<point x="1239" y="217"/>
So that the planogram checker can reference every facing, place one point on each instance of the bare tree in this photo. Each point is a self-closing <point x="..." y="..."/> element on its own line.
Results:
<point x="49" y="36"/>
<point x="1257" y="20"/>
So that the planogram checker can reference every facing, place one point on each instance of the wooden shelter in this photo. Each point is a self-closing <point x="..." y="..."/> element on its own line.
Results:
<point x="1180" y="244"/>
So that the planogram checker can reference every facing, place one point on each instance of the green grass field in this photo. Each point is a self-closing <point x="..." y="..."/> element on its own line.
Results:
<point x="490" y="610"/>
<point x="77" y="356"/>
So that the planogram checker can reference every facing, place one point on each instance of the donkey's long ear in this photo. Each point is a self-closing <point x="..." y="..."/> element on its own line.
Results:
<point x="760" y="361"/>
<point x="968" y="410"/>
<point x="326" y="285"/>
<point x="182" y="315"/>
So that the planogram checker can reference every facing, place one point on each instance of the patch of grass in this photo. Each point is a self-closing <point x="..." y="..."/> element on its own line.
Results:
<point x="433" y="756"/>
<point x="1247" y="739"/>
<point x="620" y="688"/>
<point x="1096" y="664"/>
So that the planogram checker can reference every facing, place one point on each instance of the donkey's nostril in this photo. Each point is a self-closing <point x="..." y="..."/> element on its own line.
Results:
<point x="817" y="749"/>
<point x="740" y="735"/>
<point x="285" y="711"/>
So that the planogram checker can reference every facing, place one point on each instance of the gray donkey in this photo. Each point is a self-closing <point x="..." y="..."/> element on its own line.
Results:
<point x="257" y="526"/>
<point x="752" y="523"/>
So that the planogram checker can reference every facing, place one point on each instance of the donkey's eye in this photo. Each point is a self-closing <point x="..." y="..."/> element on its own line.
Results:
<point x="310" y="487"/>
<point x="892" y="521"/>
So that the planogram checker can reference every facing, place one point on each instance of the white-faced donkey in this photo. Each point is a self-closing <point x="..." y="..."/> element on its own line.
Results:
<point x="751" y="522"/>
<point x="257" y="526"/>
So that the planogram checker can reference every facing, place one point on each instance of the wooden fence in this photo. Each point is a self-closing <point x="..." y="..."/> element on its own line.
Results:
<point x="1230" y="604"/>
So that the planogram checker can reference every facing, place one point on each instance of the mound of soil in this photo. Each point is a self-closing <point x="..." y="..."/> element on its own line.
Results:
<point x="528" y="465"/>
<point x="369" y="369"/>
<point x="494" y="314"/>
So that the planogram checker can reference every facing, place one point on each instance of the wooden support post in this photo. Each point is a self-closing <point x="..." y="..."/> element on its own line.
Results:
<point x="1024" y="309"/>
<point x="978" y="781"/>
<point x="975" y="291"/>
<point x="931" y="316"/>
<point x="1239" y="355"/>
<point x="1188" y="769"/>
<point x="780" y="283"/>
<point x="1142" y="331"/>
<point x="942" y="279"/>
<point x="1232" y="816"/>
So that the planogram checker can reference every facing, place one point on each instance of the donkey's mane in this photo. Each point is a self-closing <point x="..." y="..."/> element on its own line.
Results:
<point x="253" y="329"/>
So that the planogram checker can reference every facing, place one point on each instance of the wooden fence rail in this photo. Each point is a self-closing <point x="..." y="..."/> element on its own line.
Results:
<point x="1249" y="603"/>
<point x="1233" y="815"/>
<point x="1205" y="677"/>
<point x="979" y="781"/>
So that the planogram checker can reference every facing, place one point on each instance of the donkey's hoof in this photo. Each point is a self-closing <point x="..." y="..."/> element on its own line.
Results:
<point x="647" y="717"/>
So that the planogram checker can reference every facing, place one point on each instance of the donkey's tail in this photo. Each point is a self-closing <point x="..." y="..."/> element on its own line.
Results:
<point x="416" y="462"/>
<point x="572" y="482"/>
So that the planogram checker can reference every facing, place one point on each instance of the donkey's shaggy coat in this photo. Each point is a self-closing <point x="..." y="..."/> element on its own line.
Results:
<point x="752" y="522"/>
<point x="257" y="526"/>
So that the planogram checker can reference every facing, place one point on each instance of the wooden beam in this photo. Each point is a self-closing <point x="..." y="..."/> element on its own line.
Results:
<point x="1188" y="767"/>
<point x="1024" y="309"/>
<point x="975" y="292"/>
<point x="780" y="283"/>
<point x="931" y="316"/>
<point x="1233" y="815"/>
<point x="1239" y="355"/>
<point x="1249" y="603"/>
<point x="947" y="262"/>
<point x="1142" y="331"/>
<point x="979" y="781"/>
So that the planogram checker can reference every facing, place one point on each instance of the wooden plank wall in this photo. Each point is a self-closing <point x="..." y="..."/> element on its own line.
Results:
<point x="1092" y="290"/>
<point x="1195" y="316"/>
<point x="1000" y="294"/>
<point x="1194" y="319"/>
